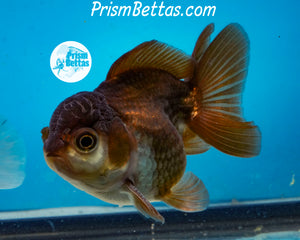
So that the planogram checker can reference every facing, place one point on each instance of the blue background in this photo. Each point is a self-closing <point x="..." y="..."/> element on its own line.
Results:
<point x="29" y="93"/>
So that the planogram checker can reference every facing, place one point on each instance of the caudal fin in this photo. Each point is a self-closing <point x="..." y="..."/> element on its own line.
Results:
<point x="12" y="156"/>
<point x="217" y="86"/>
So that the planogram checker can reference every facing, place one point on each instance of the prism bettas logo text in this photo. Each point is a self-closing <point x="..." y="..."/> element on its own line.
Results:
<point x="70" y="61"/>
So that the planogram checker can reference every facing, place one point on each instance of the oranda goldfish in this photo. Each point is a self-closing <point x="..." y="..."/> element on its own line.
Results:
<point x="126" y="142"/>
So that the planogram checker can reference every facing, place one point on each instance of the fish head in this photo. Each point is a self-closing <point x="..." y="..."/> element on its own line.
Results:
<point x="76" y="141"/>
<point x="78" y="152"/>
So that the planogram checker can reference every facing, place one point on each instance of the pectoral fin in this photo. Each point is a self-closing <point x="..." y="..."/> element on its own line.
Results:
<point x="142" y="204"/>
<point x="189" y="194"/>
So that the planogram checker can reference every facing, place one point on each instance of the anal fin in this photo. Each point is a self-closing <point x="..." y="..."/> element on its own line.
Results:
<point x="189" y="194"/>
<point x="193" y="144"/>
<point x="142" y="204"/>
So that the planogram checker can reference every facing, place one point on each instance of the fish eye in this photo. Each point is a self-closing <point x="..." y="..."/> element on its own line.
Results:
<point x="86" y="140"/>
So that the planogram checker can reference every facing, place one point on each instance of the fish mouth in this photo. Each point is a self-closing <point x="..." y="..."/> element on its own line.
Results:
<point x="52" y="159"/>
<point x="53" y="155"/>
<point x="58" y="163"/>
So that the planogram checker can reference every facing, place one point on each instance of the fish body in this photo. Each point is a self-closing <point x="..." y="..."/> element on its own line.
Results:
<point x="126" y="142"/>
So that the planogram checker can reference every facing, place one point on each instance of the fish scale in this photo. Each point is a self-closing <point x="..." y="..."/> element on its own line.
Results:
<point x="170" y="160"/>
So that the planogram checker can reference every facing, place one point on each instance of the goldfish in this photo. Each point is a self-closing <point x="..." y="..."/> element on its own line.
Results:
<point x="126" y="142"/>
<point x="13" y="156"/>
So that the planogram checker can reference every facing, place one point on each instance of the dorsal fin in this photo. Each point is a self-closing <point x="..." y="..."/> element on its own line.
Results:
<point x="154" y="54"/>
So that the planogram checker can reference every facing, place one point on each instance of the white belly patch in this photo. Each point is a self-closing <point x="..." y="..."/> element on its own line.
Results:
<point x="146" y="168"/>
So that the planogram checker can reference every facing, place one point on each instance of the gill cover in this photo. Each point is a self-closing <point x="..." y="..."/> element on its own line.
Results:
<point x="121" y="144"/>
